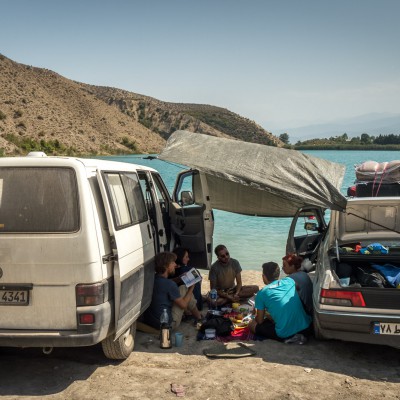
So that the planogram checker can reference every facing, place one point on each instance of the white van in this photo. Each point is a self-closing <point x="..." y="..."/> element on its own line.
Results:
<point x="77" y="245"/>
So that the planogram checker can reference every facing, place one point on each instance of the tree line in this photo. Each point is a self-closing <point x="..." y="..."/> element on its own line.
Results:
<point x="343" y="141"/>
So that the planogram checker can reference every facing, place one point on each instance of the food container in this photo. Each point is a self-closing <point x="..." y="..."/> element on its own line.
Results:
<point x="210" y="333"/>
<point x="244" y="308"/>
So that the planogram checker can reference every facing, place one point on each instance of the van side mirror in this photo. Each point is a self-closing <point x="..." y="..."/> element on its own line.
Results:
<point x="186" y="198"/>
<point x="311" y="226"/>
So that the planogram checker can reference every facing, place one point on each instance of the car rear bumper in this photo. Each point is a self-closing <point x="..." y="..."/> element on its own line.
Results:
<point x="356" y="327"/>
<point x="84" y="335"/>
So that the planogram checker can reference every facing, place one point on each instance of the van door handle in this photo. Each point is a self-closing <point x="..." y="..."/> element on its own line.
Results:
<point x="149" y="230"/>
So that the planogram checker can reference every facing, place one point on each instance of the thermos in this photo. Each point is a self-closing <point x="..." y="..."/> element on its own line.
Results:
<point x="165" y="331"/>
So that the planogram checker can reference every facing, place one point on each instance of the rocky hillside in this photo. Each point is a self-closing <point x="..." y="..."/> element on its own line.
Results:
<point x="41" y="110"/>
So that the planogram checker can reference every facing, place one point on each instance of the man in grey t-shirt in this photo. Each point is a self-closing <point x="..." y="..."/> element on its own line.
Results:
<point x="225" y="276"/>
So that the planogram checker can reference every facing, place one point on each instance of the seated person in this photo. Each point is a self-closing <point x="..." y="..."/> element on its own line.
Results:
<point x="182" y="260"/>
<point x="225" y="276"/>
<point x="167" y="294"/>
<point x="304" y="286"/>
<point x="279" y="312"/>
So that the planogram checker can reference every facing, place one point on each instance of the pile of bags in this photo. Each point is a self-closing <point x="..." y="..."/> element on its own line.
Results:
<point x="375" y="179"/>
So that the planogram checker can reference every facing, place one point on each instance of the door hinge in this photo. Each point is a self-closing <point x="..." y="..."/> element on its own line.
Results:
<point x="109" y="257"/>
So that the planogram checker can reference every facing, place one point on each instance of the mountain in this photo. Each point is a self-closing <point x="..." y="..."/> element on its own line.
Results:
<point x="42" y="110"/>
<point x="374" y="124"/>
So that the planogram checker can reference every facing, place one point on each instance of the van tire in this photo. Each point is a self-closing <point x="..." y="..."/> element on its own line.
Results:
<point x="121" y="348"/>
<point x="317" y="328"/>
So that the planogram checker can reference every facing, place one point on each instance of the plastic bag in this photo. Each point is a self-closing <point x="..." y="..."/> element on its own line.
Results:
<point x="223" y="326"/>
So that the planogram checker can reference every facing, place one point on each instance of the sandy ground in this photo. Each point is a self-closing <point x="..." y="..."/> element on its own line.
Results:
<point x="316" y="370"/>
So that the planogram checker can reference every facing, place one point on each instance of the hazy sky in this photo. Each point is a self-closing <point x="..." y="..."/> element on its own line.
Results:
<point x="281" y="63"/>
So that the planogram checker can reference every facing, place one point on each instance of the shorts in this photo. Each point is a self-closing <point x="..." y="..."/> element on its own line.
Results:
<point x="231" y="290"/>
<point x="267" y="330"/>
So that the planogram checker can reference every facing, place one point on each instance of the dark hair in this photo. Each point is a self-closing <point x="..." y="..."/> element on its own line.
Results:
<point x="180" y="253"/>
<point x="293" y="259"/>
<point x="219" y="248"/>
<point x="162" y="260"/>
<point x="271" y="271"/>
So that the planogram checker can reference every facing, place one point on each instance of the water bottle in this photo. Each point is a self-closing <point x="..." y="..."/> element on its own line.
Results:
<point x="164" y="319"/>
<point x="165" y="331"/>
<point x="213" y="298"/>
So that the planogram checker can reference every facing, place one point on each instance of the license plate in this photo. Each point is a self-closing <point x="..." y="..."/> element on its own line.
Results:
<point x="381" y="328"/>
<point x="14" y="297"/>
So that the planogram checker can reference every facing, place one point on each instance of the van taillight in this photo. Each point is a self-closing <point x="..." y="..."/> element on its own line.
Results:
<point x="86" y="319"/>
<point x="90" y="295"/>
<point x="342" y="298"/>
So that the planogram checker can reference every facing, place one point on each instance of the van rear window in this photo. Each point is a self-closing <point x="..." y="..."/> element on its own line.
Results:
<point x="38" y="200"/>
<point x="126" y="198"/>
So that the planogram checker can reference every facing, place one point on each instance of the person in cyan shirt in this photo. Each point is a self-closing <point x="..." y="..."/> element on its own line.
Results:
<point x="279" y="312"/>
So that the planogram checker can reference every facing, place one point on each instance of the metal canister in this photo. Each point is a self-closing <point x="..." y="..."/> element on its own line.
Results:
<point x="165" y="336"/>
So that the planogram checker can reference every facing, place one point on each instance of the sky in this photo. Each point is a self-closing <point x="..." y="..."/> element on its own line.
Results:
<point x="280" y="63"/>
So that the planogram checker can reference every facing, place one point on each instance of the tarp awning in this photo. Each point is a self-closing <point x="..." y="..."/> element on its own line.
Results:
<point x="255" y="179"/>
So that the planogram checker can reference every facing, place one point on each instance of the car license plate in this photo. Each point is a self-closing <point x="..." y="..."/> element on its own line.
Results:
<point x="14" y="297"/>
<point x="383" y="328"/>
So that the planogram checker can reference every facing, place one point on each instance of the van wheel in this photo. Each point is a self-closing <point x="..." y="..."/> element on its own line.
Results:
<point x="121" y="348"/>
<point x="317" y="328"/>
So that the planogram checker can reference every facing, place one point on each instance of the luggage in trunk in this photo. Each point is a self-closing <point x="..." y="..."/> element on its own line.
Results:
<point x="378" y="289"/>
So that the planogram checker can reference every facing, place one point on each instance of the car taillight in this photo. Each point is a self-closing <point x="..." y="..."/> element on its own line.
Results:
<point x="90" y="295"/>
<point x="342" y="298"/>
<point x="86" y="319"/>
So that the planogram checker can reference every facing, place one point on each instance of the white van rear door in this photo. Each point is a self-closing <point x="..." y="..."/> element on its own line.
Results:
<point x="155" y="209"/>
<point x="193" y="222"/>
<point x="132" y="245"/>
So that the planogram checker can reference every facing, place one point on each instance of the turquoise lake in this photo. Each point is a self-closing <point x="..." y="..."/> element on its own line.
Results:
<point x="255" y="240"/>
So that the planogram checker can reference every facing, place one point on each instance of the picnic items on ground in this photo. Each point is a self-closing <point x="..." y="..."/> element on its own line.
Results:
<point x="222" y="326"/>
<point x="235" y="305"/>
<point x="210" y="333"/>
<point x="178" y="339"/>
<point x="229" y="324"/>
<point x="191" y="277"/>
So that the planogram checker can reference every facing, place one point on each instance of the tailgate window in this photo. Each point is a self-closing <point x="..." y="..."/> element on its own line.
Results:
<point x="38" y="200"/>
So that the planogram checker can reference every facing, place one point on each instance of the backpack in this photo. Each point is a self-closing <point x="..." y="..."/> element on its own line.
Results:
<point x="223" y="326"/>
<point x="370" y="277"/>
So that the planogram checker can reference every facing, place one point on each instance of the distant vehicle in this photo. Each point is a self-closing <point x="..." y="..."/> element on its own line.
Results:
<point x="77" y="245"/>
